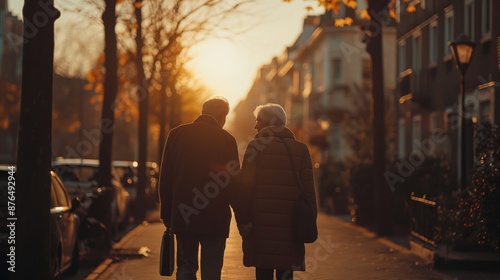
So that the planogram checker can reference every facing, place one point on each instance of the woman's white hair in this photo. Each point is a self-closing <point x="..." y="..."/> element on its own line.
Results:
<point x="271" y="113"/>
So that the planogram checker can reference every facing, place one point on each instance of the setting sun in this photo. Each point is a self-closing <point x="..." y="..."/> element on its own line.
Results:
<point x="222" y="68"/>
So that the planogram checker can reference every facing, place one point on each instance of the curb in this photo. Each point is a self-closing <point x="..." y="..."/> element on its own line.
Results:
<point x="131" y="235"/>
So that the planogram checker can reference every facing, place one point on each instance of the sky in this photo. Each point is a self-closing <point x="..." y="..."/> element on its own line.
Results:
<point x="228" y="67"/>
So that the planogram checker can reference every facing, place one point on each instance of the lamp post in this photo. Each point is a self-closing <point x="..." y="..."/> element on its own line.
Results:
<point x="462" y="49"/>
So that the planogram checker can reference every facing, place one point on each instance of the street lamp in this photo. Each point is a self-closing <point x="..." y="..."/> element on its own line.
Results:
<point x="462" y="49"/>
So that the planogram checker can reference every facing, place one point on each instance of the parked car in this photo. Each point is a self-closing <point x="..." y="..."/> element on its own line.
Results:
<point x="127" y="171"/>
<point x="64" y="224"/>
<point x="80" y="177"/>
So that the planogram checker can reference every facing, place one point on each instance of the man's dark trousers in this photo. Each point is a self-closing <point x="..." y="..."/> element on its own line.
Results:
<point x="212" y="255"/>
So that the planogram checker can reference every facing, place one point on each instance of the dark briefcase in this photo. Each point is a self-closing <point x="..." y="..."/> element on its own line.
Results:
<point x="167" y="257"/>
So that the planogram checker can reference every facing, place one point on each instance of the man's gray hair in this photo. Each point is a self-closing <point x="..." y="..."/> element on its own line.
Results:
<point x="215" y="106"/>
<point x="271" y="113"/>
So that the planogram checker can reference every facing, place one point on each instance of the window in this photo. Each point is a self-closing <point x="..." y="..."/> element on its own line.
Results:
<point x="362" y="5"/>
<point x="341" y="12"/>
<point x="485" y="111"/>
<point x="77" y="173"/>
<point x="416" y="131"/>
<point x="367" y="73"/>
<point x="402" y="56"/>
<point x="60" y="194"/>
<point x="401" y="137"/>
<point x="416" y="59"/>
<point x="2" y="24"/>
<point x="451" y="120"/>
<point x="448" y="32"/>
<point x="307" y="85"/>
<point x="486" y="16"/>
<point x="433" y="42"/>
<point x="337" y="140"/>
<point x="469" y="19"/>
<point x="337" y="70"/>
<point x="433" y="125"/>
<point x="433" y="121"/>
<point x="318" y="74"/>
<point x="429" y="4"/>
<point x="53" y="199"/>
<point x="416" y="62"/>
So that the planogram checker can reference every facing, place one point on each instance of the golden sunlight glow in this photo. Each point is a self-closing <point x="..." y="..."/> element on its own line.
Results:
<point x="222" y="67"/>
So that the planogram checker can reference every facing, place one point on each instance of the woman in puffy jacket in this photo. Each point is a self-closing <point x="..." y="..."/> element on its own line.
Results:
<point x="267" y="176"/>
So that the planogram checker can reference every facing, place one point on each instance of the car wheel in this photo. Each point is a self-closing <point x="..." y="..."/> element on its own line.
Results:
<point x="102" y="238"/>
<point x="114" y="218"/>
<point x="75" y="259"/>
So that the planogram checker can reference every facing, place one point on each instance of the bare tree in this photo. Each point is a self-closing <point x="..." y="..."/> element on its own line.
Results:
<point x="156" y="35"/>
<point x="75" y="52"/>
<point x="161" y="32"/>
<point x="143" y="99"/>
<point x="108" y="117"/>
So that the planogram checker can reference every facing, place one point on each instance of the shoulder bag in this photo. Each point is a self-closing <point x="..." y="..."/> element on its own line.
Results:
<point x="304" y="218"/>
<point x="167" y="257"/>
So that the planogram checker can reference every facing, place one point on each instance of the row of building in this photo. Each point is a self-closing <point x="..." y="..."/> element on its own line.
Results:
<point x="324" y="81"/>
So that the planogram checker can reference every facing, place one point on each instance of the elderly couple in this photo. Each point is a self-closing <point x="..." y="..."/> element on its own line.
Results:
<point x="201" y="179"/>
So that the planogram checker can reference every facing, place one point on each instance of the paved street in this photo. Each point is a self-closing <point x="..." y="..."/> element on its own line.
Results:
<point x="343" y="251"/>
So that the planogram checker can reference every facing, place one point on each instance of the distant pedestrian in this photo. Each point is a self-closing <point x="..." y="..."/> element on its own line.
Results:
<point x="267" y="175"/>
<point x="197" y="186"/>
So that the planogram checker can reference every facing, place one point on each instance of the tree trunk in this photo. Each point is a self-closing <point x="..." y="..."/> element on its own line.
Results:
<point x="163" y="116"/>
<point x="175" y="107"/>
<point x="110" y="92"/>
<point x="108" y="115"/>
<point x="382" y="194"/>
<point x="31" y="195"/>
<point x="143" y="99"/>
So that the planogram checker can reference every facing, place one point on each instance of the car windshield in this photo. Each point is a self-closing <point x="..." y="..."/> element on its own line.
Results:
<point x="124" y="172"/>
<point x="76" y="173"/>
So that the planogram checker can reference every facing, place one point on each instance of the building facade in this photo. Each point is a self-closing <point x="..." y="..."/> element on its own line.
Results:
<point x="323" y="79"/>
<point x="429" y="83"/>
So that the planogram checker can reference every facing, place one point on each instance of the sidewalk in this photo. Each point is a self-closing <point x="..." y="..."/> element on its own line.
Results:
<point x="342" y="251"/>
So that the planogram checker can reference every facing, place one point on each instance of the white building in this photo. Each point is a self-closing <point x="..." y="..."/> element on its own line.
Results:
<point x="333" y="75"/>
<point x="325" y="74"/>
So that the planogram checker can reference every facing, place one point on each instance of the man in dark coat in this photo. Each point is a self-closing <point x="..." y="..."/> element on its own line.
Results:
<point x="197" y="186"/>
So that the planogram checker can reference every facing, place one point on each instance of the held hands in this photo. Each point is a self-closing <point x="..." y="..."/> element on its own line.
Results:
<point x="167" y="227"/>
